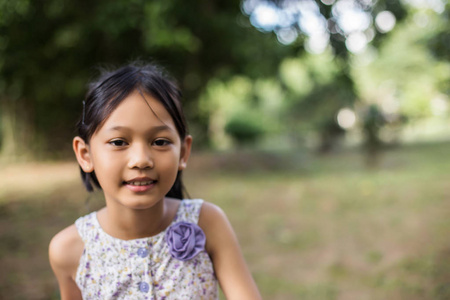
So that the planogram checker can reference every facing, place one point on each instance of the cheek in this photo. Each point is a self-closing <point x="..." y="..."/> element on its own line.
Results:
<point x="105" y="165"/>
<point x="169" y="163"/>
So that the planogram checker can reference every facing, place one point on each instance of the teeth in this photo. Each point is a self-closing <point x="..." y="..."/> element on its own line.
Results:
<point x="140" y="182"/>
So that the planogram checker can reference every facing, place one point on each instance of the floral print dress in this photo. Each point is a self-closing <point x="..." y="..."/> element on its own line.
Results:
<point x="170" y="265"/>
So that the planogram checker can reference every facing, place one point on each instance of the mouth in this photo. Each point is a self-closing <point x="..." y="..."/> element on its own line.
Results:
<point x="140" y="185"/>
<point x="140" y="182"/>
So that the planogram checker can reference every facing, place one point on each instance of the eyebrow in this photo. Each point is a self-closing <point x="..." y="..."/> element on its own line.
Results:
<point x="154" y="128"/>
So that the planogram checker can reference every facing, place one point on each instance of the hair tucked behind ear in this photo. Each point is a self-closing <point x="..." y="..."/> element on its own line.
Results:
<point x="177" y="189"/>
<point x="112" y="87"/>
<point x="89" y="179"/>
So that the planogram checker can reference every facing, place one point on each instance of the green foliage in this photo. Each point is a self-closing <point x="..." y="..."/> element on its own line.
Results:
<point x="439" y="43"/>
<point x="295" y="75"/>
<point x="323" y="103"/>
<point x="49" y="51"/>
<point x="329" y="89"/>
<point x="401" y="76"/>
<point x="245" y="128"/>
<point x="289" y="14"/>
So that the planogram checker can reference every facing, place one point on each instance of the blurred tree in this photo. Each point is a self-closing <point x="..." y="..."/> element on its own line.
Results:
<point x="386" y="37"/>
<point x="373" y="121"/>
<point x="245" y="129"/>
<point x="439" y="43"/>
<point x="319" y="23"/>
<point x="401" y="77"/>
<point x="317" y="111"/>
<point x="400" y="83"/>
<point x="48" y="51"/>
<point x="344" y="26"/>
<point x="257" y="102"/>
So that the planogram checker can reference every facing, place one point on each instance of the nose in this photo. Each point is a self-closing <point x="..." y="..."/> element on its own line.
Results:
<point x="140" y="157"/>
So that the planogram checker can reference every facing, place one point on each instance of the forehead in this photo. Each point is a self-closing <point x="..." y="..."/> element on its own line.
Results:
<point x="139" y="111"/>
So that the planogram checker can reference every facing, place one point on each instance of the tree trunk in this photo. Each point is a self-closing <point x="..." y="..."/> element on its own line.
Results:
<point x="16" y="131"/>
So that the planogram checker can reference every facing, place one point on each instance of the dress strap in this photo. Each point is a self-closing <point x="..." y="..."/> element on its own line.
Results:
<point x="189" y="210"/>
<point x="85" y="226"/>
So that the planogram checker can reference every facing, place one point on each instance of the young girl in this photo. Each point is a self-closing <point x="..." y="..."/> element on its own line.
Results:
<point x="147" y="242"/>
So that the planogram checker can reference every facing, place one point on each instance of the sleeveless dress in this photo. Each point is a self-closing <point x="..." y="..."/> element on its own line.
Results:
<point x="112" y="268"/>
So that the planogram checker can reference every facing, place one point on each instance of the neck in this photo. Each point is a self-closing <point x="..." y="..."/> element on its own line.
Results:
<point x="128" y="224"/>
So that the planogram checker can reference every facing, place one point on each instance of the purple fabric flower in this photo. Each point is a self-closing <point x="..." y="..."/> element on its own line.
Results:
<point x="185" y="240"/>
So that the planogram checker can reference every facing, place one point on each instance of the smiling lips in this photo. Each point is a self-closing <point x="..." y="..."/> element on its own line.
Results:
<point x="140" y="184"/>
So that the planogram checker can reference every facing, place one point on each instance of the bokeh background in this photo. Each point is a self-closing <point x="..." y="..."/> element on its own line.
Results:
<point x="321" y="128"/>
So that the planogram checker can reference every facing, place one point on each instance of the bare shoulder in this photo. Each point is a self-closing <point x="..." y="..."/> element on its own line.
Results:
<point x="212" y="219"/>
<point x="65" y="250"/>
<point x="223" y="247"/>
<point x="211" y="214"/>
<point x="216" y="226"/>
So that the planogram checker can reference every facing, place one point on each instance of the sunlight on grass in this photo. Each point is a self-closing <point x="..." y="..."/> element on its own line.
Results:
<point x="28" y="180"/>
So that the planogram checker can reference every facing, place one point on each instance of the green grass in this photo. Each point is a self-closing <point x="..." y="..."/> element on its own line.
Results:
<point x="310" y="227"/>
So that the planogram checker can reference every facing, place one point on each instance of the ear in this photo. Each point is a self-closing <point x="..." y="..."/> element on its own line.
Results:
<point x="81" y="149"/>
<point x="185" y="152"/>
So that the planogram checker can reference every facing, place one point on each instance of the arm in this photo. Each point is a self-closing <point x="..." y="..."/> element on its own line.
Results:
<point x="65" y="250"/>
<point x="223" y="247"/>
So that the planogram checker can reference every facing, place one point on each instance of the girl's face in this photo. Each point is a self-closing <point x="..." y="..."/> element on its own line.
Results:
<point x="136" y="154"/>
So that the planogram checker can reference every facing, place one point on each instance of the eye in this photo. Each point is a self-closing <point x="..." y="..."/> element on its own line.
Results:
<point x="161" y="142"/>
<point x="117" y="143"/>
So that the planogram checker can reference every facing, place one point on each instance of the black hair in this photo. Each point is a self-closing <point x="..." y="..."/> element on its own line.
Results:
<point x="111" y="88"/>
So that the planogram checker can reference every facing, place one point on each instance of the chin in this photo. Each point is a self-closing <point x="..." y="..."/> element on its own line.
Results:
<point x="139" y="204"/>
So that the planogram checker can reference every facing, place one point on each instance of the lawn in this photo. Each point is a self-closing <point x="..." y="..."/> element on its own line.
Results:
<point x="311" y="227"/>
